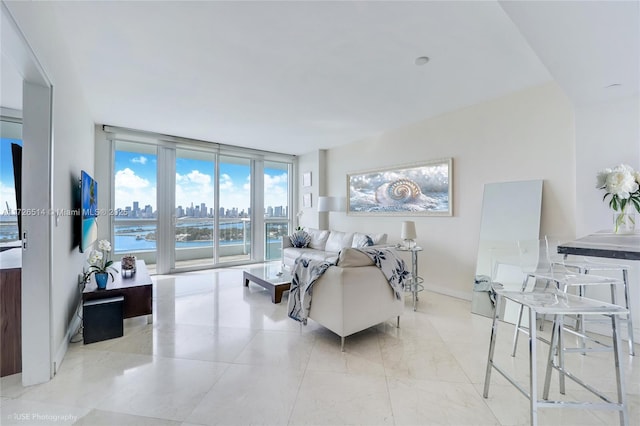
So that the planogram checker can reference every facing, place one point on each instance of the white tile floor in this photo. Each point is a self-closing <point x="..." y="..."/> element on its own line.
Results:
<point x="222" y="353"/>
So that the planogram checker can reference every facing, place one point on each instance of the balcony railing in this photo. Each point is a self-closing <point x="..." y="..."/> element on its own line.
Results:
<point x="194" y="239"/>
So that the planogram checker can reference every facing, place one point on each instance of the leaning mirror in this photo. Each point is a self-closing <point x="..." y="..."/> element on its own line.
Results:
<point x="510" y="212"/>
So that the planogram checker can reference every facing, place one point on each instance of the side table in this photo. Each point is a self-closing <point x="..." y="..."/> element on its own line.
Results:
<point x="415" y="285"/>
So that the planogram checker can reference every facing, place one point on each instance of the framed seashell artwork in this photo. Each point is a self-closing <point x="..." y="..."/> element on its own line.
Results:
<point x="419" y="189"/>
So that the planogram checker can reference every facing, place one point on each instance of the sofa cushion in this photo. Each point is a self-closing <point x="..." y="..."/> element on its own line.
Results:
<point x="350" y="257"/>
<point x="338" y="240"/>
<point x="379" y="239"/>
<point x="362" y="240"/>
<point x="292" y="253"/>
<point x="318" y="238"/>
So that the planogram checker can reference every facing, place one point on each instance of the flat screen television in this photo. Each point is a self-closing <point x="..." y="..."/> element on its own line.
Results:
<point x="88" y="211"/>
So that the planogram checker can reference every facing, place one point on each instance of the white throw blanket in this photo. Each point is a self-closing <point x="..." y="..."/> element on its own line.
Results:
<point x="393" y="267"/>
<point x="307" y="271"/>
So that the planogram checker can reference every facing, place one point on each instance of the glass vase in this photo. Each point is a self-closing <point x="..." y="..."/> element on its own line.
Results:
<point x="624" y="223"/>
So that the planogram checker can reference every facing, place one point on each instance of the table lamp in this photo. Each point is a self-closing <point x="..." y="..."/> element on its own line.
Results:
<point x="408" y="233"/>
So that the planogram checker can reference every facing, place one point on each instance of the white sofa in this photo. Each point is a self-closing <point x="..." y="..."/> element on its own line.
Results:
<point x="326" y="244"/>
<point x="353" y="295"/>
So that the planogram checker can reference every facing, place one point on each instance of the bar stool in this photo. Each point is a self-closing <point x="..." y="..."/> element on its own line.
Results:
<point x="557" y="304"/>
<point x="585" y="266"/>
<point x="536" y="264"/>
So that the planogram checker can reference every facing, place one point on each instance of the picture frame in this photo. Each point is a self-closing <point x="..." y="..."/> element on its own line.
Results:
<point x="306" y="201"/>
<point x="417" y="189"/>
<point x="306" y="179"/>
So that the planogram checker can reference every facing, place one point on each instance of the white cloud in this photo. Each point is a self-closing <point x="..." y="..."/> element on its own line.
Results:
<point x="139" y="160"/>
<point x="194" y="188"/>
<point x="200" y="178"/>
<point x="226" y="183"/>
<point x="130" y="187"/>
<point x="275" y="190"/>
<point x="127" y="178"/>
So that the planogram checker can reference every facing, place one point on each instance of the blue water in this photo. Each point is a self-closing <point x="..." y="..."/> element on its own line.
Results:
<point x="129" y="242"/>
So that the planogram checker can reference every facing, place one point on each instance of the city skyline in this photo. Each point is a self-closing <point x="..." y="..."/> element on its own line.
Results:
<point x="195" y="210"/>
<point x="136" y="181"/>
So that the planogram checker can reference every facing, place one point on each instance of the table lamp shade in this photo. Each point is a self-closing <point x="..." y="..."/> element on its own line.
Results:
<point x="324" y="204"/>
<point x="408" y="230"/>
<point x="331" y="204"/>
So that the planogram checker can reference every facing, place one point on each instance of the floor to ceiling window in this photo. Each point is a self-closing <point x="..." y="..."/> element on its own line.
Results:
<point x="194" y="208"/>
<point x="234" y="211"/>
<point x="276" y="206"/>
<point x="135" y="222"/>
<point x="185" y="205"/>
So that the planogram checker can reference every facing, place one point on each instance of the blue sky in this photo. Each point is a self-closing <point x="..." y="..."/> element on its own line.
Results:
<point x="7" y="191"/>
<point x="136" y="181"/>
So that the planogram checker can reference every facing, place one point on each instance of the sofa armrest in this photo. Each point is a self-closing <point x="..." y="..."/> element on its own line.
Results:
<point x="286" y="242"/>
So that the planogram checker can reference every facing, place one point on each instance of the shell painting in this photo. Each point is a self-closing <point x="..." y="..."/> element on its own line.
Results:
<point x="418" y="190"/>
<point x="401" y="191"/>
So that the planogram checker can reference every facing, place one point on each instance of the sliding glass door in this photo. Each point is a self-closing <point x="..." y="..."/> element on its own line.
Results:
<point x="234" y="211"/>
<point x="276" y="207"/>
<point x="193" y="215"/>
<point x="183" y="206"/>
<point x="135" y="222"/>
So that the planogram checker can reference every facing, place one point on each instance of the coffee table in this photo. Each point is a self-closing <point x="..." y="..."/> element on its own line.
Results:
<point x="270" y="276"/>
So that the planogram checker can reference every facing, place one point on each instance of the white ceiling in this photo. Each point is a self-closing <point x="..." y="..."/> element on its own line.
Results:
<point x="298" y="76"/>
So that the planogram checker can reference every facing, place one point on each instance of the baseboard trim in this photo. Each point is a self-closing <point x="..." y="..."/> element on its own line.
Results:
<point x="74" y="326"/>
<point x="464" y="295"/>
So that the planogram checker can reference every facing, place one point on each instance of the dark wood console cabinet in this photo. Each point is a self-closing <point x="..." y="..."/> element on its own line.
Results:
<point x="10" y="321"/>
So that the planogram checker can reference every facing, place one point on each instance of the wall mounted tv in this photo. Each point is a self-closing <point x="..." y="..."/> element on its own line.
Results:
<point x="88" y="211"/>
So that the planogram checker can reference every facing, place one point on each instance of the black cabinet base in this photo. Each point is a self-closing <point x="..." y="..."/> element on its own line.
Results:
<point x="102" y="319"/>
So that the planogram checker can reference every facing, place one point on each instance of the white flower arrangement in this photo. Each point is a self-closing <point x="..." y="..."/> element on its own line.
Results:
<point x="99" y="261"/>
<point x="622" y="184"/>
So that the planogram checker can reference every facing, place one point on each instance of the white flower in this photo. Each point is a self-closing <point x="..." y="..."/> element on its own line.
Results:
<point x="621" y="182"/>
<point x="622" y="186"/>
<point x="95" y="257"/>
<point x="104" y="245"/>
<point x="602" y="178"/>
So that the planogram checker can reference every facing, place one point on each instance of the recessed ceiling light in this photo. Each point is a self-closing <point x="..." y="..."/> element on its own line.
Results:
<point x="421" y="60"/>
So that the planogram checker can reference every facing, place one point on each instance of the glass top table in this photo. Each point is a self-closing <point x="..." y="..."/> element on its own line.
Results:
<point x="270" y="276"/>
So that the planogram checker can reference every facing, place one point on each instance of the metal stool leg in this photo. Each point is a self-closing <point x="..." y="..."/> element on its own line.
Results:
<point x="517" y="331"/>
<point x="625" y="280"/>
<point x="560" y="349"/>
<point x="533" y="368"/>
<point x="552" y="353"/>
<point x="492" y="346"/>
<point x="624" y="416"/>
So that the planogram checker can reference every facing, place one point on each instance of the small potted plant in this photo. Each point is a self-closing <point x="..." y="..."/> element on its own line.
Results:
<point x="100" y="265"/>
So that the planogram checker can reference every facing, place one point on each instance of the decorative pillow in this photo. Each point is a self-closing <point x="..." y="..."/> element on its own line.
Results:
<point x="362" y="240"/>
<point x="318" y="238"/>
<point x="300" y="239"/>
<point x="338" y="240"/>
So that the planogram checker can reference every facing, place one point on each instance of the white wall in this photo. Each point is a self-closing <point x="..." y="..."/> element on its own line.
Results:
<point x="522" y="136"/>
<point x="607" y="134"/>
<point x="72" y="151"/>
<point x="313" y="163"/>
